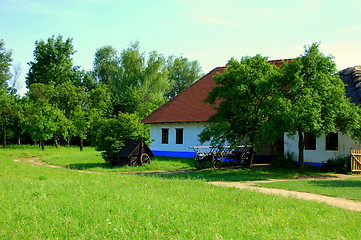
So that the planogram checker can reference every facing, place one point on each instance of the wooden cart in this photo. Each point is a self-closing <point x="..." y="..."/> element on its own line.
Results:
<point x="219" y="155"/>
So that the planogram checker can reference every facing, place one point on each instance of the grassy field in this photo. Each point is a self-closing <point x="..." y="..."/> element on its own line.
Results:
<point x="349" y="188"/>
<point x="91" y="160"/>
<point x="39" y="202"/>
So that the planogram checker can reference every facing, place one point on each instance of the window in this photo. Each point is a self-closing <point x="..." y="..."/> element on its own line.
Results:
<point x="179" y="135"/>
<point x="310" y="141"/>
<point x="332" y="141"/>
<point x="165" y="135"/>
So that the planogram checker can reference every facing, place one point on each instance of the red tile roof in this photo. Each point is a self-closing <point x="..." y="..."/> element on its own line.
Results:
<point x="189" y="105"/>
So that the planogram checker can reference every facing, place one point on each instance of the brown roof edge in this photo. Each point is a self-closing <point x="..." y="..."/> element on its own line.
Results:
<point x="188" y="105"/>
<point x="154" y="116"/>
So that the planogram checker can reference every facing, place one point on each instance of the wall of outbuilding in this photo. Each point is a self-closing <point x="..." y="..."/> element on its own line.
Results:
<point x="321" y="155"/>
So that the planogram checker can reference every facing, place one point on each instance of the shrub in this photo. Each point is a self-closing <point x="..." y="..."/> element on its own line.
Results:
<point x="113" y="133"/>
<point x="286" y="161"/>
<point x="341" y="164"/>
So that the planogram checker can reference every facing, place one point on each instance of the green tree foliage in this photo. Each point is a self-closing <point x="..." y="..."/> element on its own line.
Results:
<point x="68" y="97"/>
<point x="246" y="103"/>
<point x="143" y="81"/>
<point x="43" y="121"/>
<point x="52" y="63"/>
<point x="139" y="82"/>
<point x="258" y="102"/>
<point x="182" y="73"/>
<point x="101" y="107"/>
<point x="5" y="63"/>
<point x="114" y="132"/>
<point x="106" y="66"/>
<point x="316" y="101"/>
<point x="6" y="113"/>
<point x="17" y="117"/>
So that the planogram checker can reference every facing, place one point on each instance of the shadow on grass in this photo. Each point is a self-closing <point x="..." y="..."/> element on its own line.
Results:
<point x="336" y="183"/>
<point x="86" y="166"/>
<point x="239" y="174"/>
<point x="188" y="161"/>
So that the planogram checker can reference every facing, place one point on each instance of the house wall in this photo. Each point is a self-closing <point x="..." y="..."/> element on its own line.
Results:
<point x="190" y="138"/>
<point x="320" y="155"/>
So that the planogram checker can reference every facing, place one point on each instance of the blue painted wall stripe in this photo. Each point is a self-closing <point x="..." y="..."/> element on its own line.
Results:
<point x="257" y="159"/>
<point x="173" y="154"/>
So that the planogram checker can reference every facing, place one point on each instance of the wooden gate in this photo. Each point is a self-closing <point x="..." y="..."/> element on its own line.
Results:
<point x="356" y="160"/>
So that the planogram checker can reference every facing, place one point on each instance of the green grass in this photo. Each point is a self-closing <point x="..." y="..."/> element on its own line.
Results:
<point x="39" y="202"/>
<point x="91" y="160"/>
<point x="349" y="188"/>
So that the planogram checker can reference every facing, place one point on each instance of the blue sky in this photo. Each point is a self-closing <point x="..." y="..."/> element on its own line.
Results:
<point x="210" y="31"/>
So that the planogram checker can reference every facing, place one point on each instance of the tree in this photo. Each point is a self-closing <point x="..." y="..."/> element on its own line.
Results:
<point x="114" y="133"/>
<point x="316" y="101"/>
<point x="14" y="83"/>
<point x="101" y="107"/>
<point x="68" y="97"/>
<point x="6" y="112"/>
<point x="137" y="83"/>
<point x="42" y="121"/>
<point x="81" y="124"/>
<point x="106" y="65"/>
<point x="246" y="103"/>
<point x="17" y="116"/>
<point x="182" y="73"/>
<point x="52" y="63"/>
<point x="5" y="63"/>
<point x="145" y="85"/>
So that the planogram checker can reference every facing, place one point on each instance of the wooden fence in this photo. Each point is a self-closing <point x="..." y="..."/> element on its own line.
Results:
<point x="356" y="160"/>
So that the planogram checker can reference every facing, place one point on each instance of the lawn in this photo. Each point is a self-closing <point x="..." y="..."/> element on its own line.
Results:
<point x="38" y="202"/>
<point x="91" y="160"/>
<point x="348" y="188"/>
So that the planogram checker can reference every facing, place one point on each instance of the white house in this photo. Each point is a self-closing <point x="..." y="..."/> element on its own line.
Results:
<point x="317" y="151"/>
<point x="331" y="145"/>
<point x="175" y="126"/>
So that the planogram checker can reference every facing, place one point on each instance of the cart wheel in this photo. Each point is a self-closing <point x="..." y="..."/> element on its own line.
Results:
<point x="245" y="159"/>
<point x="144" y="158"/>
<point x="217" y="162"/>
<point x="199" y="162"/>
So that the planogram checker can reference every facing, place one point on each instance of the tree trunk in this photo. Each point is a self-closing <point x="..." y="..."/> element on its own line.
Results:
<point x="42" y="145"/>
<point x="250" y="158"/>
<point x="68" y="143"/>
<point x="56" y="143"/>
<point x="301" y="147"/>
<point x="19" y="139"/>
<point x="4" y="136"/>
<point x="81" y="144"/>
<point x="251" y="153"/>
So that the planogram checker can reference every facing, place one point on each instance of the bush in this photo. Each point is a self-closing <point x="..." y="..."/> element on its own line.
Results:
<point x="286" y="161"/>
<point x="341" y="164"/>
<point x="114" y="132"/>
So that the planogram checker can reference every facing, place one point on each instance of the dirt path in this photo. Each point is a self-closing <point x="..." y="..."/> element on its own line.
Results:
<point x="250" y="185"/>
<point x="334" y="201"/>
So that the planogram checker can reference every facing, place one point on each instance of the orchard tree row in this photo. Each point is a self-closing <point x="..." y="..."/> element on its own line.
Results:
<point x="66" y="104"/>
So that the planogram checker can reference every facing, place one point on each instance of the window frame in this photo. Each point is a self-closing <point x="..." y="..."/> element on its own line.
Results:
<point x="179" y="136"/>
<point x="332" y="142"/>
<point x="310" y="141"/>
<point x="165" y="136"/>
